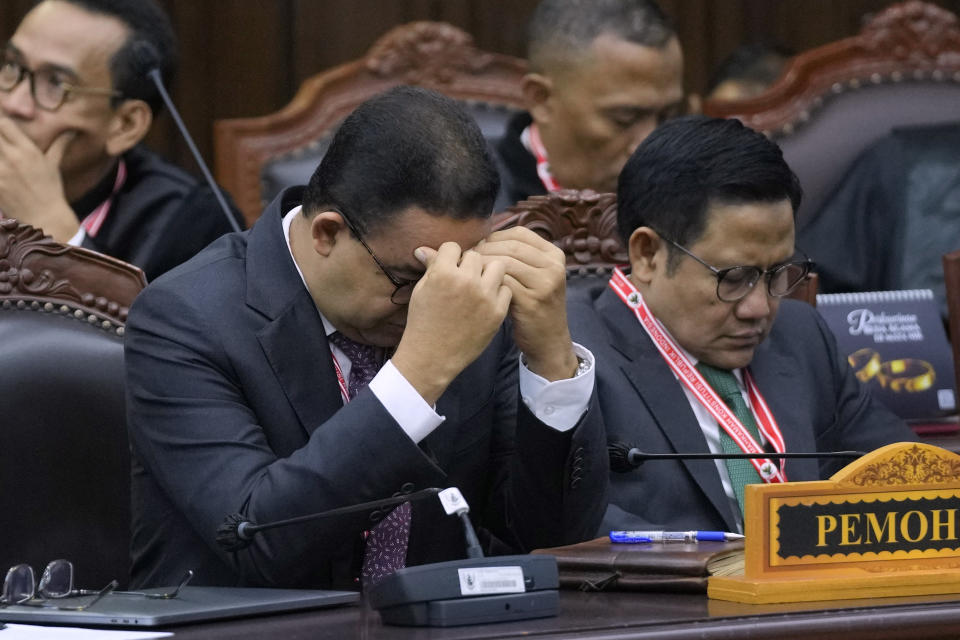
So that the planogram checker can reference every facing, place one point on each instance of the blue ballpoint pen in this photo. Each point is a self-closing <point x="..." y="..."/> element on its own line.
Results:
<point x="630" y="537"/>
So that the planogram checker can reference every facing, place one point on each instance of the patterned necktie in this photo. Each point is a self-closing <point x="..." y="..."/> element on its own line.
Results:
<point x="741" y="472"/>
<point x="364" y="361"/>
<point x="386" y="548"/>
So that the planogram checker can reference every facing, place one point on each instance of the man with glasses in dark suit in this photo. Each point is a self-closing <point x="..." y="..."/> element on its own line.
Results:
<point x="352" y="346"/>
<point x="697" y="349"/>
<point x="74" y="107"/>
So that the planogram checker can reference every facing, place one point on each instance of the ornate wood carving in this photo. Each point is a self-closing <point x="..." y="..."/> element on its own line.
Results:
<point x="40" y="274"/>
<point x="918" y="464"/>
<point x="429" y="54"/>
<point x="907" y="42"/>
<point x="582" y="223"/>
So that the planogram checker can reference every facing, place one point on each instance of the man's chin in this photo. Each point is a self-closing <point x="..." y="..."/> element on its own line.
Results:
<point x="386" y="336"/>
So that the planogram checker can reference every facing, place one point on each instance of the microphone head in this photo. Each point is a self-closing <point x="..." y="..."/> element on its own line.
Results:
<point x="228" y="533"/>
<point x="146" y="58"/>
<point x="619" y="453"/>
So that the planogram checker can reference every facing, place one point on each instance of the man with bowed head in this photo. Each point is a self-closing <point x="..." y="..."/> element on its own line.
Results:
<point x="603" y="74"/>
<point x="697" y="348"/>
<point x="369" y="336"/>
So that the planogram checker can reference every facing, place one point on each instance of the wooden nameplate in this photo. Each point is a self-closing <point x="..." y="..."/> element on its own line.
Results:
<point x="885" y="525"/>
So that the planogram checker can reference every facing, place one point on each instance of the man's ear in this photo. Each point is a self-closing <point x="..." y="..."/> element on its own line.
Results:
<point x="537" y="90"/>
<point x="129" y="125"/>
<point x="648" y="254"/>
<point x="325" y="229"/>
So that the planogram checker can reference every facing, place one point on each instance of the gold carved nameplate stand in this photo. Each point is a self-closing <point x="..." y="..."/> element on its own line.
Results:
<point x="887" y="524"/>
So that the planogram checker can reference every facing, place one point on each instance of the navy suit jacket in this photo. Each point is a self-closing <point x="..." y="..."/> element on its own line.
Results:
<point x="233" y="406"/>
<point x="812" y="393"/>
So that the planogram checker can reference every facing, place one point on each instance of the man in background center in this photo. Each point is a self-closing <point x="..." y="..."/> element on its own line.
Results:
<point x="603" y="74"/>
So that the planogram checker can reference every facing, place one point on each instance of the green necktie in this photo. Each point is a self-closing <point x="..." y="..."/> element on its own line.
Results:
<point x="741" y="472"/>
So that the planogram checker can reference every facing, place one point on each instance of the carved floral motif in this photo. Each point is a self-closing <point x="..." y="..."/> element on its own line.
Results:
<point x="919" y="464"/>
<point x="914" y="31"/>
<point x="582" y="223"/>
<point x="25" y="253"/>
<point x="426" y="53"/>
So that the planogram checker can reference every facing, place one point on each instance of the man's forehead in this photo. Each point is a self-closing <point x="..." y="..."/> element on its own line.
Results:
<point x="626" y="72"/>
<point x="60" y="34"/>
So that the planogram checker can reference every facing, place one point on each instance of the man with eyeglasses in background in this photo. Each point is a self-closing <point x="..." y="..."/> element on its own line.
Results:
<point x="352" y="346"/>
<point x="697" y="349"/>
<point x="74" y="107"/>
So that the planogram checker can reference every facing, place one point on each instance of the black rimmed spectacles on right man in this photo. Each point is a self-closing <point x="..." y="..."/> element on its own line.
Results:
<point x="734" y="283"/>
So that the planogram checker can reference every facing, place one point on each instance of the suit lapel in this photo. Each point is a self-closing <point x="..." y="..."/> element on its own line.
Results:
<point x="293" y="339"/>
<point x="663" y="396"/>
<point x="775" y="375"/>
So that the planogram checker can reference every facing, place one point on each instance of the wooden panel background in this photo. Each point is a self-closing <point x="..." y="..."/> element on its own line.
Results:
<point x="247" y="57"/>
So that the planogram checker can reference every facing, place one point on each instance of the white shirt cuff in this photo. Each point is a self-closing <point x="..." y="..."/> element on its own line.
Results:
<point x="559" y="404"/>
<point x="404" y="404"/>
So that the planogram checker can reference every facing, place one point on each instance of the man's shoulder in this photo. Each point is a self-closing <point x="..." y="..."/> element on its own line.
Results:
<point x="146" y="167"/>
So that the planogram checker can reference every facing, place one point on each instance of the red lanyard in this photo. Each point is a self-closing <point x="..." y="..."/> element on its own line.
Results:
<point x="94" y="220"/>
<point x="540" y="153"/>
<point x="344" y="391"/>
<point x="685" y="371"/>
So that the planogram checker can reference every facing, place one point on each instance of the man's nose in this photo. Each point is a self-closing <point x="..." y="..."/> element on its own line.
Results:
<point x="640" y="132"/>
<point x="18" y="102"/>
<point x="756" y="305"/>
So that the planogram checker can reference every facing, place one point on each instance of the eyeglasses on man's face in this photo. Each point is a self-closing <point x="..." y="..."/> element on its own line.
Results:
<point x="734" y="283"/>
<point x="47" y="86"/>
<point x="403" y="288"/>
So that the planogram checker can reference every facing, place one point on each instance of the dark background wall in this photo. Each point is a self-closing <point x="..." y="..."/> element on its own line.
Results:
<point x="247" y="57"/>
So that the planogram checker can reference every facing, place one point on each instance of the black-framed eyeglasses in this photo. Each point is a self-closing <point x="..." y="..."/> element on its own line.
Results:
<point x="403" y="288"/>
<point x="734" y="283"/>
<point x="48" y="89"/>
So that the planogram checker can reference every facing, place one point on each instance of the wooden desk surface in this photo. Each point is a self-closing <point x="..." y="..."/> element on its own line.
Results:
<point x="619" y="616"/>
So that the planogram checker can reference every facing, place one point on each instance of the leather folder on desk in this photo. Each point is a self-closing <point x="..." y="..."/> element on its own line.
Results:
<point x="600" y="565"/>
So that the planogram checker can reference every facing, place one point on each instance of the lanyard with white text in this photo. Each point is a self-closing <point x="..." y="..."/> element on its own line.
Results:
<point x="94" y="220"/>
<point x="703" y="392"/>
<point x="535" y="145"/>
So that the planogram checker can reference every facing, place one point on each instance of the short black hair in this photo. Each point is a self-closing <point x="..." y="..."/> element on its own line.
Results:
<point x="147" y="22"/>
<point x="688" y="165"/>
<point x="560" y="29"/>
<point x="405" y="147"/>
<point x="759" y="63"/>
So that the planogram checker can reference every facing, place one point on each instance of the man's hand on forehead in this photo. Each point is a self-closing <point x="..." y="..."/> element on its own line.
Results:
<point x="535" y="273"/>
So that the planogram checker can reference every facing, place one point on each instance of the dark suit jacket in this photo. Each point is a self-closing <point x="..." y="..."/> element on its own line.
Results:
<point x="814" y="396"/>
<point x="234" y="406"/>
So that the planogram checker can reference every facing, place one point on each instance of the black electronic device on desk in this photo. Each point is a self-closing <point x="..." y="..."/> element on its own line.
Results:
<point x="472" y="591"/>
<point x="442" y="594"/>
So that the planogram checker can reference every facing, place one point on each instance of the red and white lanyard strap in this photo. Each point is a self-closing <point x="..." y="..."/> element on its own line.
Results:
<point x="94" y="220"/>
<point x="344" y="391"/>
<point x="539" y="152"/>
<point x="681" y="366"/>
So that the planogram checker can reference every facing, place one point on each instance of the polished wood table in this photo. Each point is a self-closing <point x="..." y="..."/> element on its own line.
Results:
<point x="619" y="616"/>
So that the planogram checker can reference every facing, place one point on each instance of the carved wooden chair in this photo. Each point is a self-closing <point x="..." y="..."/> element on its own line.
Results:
<point x="833" y="101"/>
<point x="257" y="157"/>
<point x="64" y="456"/>
<point x="584" y="225"/>
<point x="871" y="125"/>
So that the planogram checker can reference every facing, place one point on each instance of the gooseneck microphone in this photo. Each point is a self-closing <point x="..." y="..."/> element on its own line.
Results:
<point x="624" y="457"/>
<point x="147" y="62"/>
<point x="236" y="532"/>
